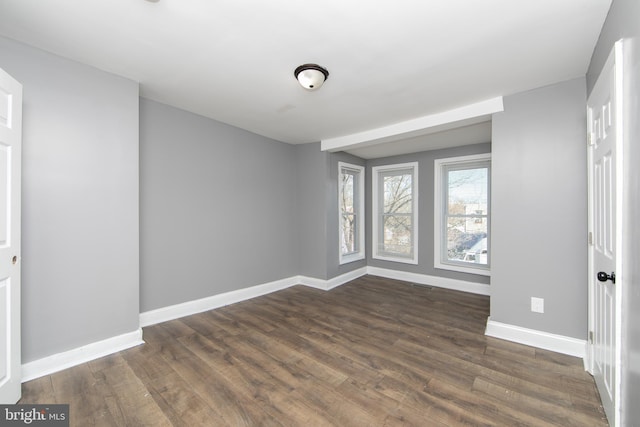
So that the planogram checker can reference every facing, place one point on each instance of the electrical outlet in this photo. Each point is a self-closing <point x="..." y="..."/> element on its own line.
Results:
<point x="537" y="305"/>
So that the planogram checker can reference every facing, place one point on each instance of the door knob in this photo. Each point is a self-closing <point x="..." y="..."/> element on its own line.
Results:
<point x="603" y="277"/>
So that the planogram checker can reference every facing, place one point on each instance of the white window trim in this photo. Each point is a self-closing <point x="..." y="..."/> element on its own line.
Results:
<point x="360" y="215"/>
<point x="375" y="214"/>
<point x="439" y="164"/>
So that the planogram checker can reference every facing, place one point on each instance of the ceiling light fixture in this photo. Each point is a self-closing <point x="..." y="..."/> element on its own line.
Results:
<point x="311" y="76"/>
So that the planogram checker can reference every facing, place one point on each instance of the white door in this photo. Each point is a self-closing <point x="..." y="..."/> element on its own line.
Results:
<point x="605" y="168"/>
<point x="10" y="155"/>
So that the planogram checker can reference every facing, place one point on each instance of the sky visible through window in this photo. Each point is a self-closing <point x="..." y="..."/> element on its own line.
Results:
<point x="468" y="186"/>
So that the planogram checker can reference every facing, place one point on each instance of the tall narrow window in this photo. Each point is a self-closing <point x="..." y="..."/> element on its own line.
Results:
<point x="395" y="213"/>
<point x="351" y="206"/>
<point x="462" y="213"/>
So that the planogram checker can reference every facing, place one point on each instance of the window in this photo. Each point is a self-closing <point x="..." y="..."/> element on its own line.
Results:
<point x="351" y="207"/>
<point x="395" y="212"/>
<point x="462" y="214"/>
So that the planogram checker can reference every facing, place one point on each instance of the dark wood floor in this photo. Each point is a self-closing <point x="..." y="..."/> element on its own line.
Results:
<point x="372" y="352"/>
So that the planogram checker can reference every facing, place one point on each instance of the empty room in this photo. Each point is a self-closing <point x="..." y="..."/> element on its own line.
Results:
<point x="345" y="214"/>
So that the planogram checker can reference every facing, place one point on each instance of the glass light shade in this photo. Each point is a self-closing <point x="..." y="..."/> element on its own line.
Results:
<point x="311" y="79"/>
<point x="311" y="76"/>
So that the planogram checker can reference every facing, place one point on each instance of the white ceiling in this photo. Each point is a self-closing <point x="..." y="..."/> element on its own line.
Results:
<point x="389" y="61"/>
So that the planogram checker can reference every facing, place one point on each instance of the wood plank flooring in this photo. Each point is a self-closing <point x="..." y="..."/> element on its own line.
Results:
<point x="373" y="352"/>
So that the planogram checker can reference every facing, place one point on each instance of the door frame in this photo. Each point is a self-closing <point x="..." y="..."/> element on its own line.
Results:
<point x="614" y="60"/>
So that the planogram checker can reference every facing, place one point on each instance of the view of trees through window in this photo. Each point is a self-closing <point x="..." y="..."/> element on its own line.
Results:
<point x="397" y="213"/>
<point x="348" y="234"/>
<point x="466" y="216"/>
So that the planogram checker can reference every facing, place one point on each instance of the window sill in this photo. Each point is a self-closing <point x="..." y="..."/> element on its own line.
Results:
<point x="413" y="261"/>
<point x="481" y="271"/>
<point x="346" y="259"/>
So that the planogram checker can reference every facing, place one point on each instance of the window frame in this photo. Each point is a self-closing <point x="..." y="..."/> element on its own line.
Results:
<point x="359" y="213"/>
<point x="376" y="214"/>
<point x="440" y="204"/>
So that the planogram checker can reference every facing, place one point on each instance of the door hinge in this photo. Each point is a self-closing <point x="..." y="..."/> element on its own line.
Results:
<point x="590" y="238"/>
<point x="591" y="337"/>
<point x="589" y="139"/>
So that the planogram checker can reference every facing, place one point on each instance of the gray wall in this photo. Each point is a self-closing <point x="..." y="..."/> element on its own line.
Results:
<point x="539" y="202"/>
<point x="217" y="207"/>
<point x="312" y="175"/>
<point x="80" y="202"/>
<point x="425" y="210"/>
<point x="317" y="212"/>
<point x="623" y="22"/>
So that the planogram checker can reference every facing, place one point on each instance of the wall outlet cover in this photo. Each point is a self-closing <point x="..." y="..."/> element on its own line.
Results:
<point x="537" y="305"/>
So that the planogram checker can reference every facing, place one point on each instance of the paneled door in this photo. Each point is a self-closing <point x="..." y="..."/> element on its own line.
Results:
<point x="10" y="172"/>
<point x="604" y="111"/>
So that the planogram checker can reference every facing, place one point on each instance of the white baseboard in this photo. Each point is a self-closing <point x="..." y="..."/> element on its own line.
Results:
<point x="58" y="362"/>
<point x="424" y="279"/>
<point x="188" y="308"/>
<point x="327" y="285"/>
<point x="346" y="277"/>
<point x="532" y="337"/>
<point x="209" y="303"/>
<point x="587" y="361"/>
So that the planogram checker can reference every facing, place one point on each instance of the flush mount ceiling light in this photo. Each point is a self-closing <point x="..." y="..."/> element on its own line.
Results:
<point x="311" y="76"/>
